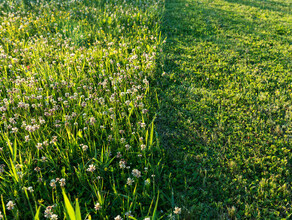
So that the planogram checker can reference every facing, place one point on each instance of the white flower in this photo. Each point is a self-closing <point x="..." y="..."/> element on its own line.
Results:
<point x="10" y="205"/>
<point x="97" y="206"/>
<point x="122" y="164"/>
<point x="84" y="147"/>
<point x="39" y="146"/>
<point x="48" y="212"/>
<point x="54" y="217"/>
<point x="128" y="214"/>
<point x="30" y="189"/>
<point x="177" y="210"/>
<point x="62" y="182"/>
<point x="136" y="173"/>
<point x="44" y="159"/>
<point x="91" y="168"/>
<point x="53" y="183"/>
<point x="118" y="218"/>
<point x="130" y="181"/>
<point x="127" y="146"/>
<point x="92" y="120"/>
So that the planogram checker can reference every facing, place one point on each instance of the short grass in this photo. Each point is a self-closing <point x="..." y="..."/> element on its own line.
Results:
<point x="225" y="114"/>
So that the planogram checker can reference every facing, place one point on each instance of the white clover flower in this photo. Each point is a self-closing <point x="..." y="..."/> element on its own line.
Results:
<point x="10" y="205"/>
<point x="123" y="140"/>
<point x="122" y="164"/>
<point x="97" y="206"/>
<point x="130" y="181"/>
<point x="30" y="189"/>
<point x="118" y="218"/>
<point x="91" y="168"/>
<point x="53" y="183"/>
<point x="42" y="121"/>
<point x="127" y="146"/>
<point x="92" y="121"/>
<point x="144" y="111"/>
<point x="48" y="212"/>
<point x="14" y="130"/>
<point x="54" y="139"/>
<point x="54" y="217"/>
<point x="136" y="173"/>
<point x="128" y="214"/>
<point x="39" y="146"/>
<point x="177" y="210"/>
<point x="62" y="182"/>
<point x="84" y="147"/>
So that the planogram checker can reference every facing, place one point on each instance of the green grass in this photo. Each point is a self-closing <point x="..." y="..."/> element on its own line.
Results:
<point x="225" y="114"/>
<point x="76" y="120"/>
<point x="101" y="120"/>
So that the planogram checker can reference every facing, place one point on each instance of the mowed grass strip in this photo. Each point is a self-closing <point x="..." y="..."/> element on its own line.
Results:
<point x="225" y="114"/>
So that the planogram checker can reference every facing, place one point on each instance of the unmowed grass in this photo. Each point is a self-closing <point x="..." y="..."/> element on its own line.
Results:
<point x="76" y="117"/>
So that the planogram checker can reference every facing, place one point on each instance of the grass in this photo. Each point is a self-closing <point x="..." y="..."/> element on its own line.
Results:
<point x="103" y="119"/>
<point x="225" y="111"/>
<point x="76" y="121"/>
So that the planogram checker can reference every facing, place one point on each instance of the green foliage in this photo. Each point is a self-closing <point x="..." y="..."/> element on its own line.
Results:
<point x="81" y="83"/>
<point x="70" y="212"/>
<point x="76" y="110"/>
<point x="225" y="107"/>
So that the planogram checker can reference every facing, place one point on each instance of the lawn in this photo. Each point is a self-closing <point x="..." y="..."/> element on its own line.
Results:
<point x="225" y="107"/>
<point x="145" y="109"/>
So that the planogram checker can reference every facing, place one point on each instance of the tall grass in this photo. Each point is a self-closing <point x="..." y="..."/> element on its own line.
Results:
<point x="74" y="107"/>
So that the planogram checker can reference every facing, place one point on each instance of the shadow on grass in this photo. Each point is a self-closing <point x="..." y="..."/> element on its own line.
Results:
<point x="276" y="6"/>
<point x="217" y="63"/>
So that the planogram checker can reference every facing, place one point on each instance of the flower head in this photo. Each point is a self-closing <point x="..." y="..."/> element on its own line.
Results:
<point x="62" y="182"/>
<point x="53" y="183"/>
<point x="118" y="218"/>
<point x="91" y="168"/>
<point x="177" y="210"/>
<point x="97" y="206"/>
<point x="10" y="205"/>
<point x="136" y="173"/>
<point x="130" y="181"/>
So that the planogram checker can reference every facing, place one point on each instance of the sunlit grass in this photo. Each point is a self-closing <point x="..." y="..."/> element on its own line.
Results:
<point x="75" y="112"/>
